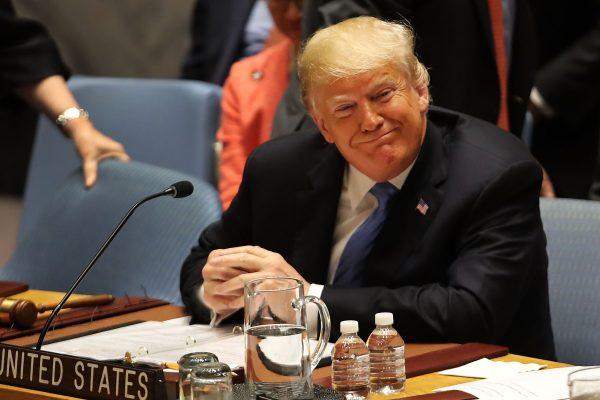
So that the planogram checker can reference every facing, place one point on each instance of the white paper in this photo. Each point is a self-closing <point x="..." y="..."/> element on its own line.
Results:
<point x="549" y="384"/>
<point x="179" y="321"/>
<point x="160" y="342"/>
<point x="486" y="368"/>
<point x="139" y="340"/>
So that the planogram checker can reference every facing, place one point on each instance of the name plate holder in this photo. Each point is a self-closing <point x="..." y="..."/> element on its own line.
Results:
<point x="77" y="376"/>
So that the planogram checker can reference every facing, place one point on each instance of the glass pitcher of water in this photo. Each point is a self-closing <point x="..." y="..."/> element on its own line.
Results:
<point x="278" y="359"/>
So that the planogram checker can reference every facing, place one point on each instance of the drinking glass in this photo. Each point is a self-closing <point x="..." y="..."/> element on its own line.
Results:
<point x="187" y="363"/>
<point x="584" y="384"/>
<point x="212" y="381"/>
<point x="278" y="359"/>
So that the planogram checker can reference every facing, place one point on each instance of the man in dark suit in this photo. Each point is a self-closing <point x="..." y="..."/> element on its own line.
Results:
<point x="429" y="214"/>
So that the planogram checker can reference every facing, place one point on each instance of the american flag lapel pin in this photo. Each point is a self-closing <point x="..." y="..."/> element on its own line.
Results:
<point x="422" y="206"/>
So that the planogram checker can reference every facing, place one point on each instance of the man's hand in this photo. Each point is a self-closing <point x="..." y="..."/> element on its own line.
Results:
<point x="227" y="270"/>
<point x="93" y="147"/>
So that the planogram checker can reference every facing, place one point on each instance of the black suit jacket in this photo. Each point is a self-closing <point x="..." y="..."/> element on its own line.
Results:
<point x="473" y="268"/>
<point x="217" y="39"/>
<point x="454" y="42"/>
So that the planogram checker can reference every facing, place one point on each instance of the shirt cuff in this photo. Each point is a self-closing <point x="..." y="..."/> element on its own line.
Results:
<point x="312" y="312"/>
<point x="540" y="103"/>
<point x="215" y="319"/>
<point x="315" y="290"/>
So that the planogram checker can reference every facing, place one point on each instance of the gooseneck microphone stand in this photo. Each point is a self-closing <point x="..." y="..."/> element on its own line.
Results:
<point x="179" y="189"/>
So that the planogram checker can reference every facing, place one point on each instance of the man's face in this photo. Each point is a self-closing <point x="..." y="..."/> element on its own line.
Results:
<point x="377" y="120"/>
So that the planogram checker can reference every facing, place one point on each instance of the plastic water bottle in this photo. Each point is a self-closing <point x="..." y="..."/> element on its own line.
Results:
<point x="387" y="374"/>
<point x="350" y="363"/>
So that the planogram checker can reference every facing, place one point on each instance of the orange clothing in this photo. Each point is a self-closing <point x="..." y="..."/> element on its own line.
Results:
<point x="250" y="97"/>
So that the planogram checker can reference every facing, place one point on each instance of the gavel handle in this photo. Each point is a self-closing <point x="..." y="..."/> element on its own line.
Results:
<point x="88" y="301"/>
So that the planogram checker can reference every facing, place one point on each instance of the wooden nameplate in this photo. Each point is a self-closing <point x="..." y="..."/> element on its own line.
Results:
<point x="453" y="357"/>
<point x="77" y="376"/>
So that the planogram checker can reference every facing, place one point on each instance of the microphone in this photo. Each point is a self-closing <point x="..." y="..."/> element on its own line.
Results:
<point x="176" y="190"/>
<point x="180" y="189"/>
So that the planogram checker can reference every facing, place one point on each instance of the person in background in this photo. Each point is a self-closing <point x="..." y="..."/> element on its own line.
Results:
<point x="391" y="205"/>
<point x="481" y="55"/>
<point x="251" y="94"/>
<point x="224" y="32"/>
<point x="31" y="68"/>
<point x="565" y="101"/>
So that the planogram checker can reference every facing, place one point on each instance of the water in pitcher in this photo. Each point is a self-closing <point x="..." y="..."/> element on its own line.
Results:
<point x="277" y="361"/>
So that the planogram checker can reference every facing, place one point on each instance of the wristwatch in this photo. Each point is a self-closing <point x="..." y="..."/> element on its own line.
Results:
<point x="70" y="114"/>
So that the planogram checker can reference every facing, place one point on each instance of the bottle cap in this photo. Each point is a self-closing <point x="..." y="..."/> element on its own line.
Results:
<point x="348" y="327"/>
<point x="384" y="318"/>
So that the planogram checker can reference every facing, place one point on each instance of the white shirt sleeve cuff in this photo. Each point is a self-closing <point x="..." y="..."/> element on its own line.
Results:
<point x="312" y="312"/>
<point x="315" y="290"/>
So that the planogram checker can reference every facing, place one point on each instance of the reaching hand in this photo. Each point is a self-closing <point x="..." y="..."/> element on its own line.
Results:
<point x="93" y="147"/>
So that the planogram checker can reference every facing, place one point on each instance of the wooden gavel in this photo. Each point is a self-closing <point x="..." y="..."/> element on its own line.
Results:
<point x="23" y="313"/>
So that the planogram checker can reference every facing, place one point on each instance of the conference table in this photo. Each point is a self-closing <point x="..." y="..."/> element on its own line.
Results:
<point x="420" y="386"/>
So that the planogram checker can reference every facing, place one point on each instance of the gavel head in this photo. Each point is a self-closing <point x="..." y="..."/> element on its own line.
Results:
<point x="22" y="313"/>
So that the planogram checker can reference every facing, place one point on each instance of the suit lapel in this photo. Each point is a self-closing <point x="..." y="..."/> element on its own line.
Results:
<point x="316" y="212"/>
<point x="406" y="224"/>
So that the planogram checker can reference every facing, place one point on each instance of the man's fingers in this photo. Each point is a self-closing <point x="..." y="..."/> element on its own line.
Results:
<point x="238" y="282"/>
<point x="237" y="303"/>
<point x="241" y="261"/>
<point x="222" y="303"/>
<point x="220" y="274"/>
<point x="254" y="250"/>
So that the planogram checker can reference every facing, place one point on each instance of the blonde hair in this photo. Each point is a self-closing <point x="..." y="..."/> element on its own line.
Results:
<point x="356" y="46"/>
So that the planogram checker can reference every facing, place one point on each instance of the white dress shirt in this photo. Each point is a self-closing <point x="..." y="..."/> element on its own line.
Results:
<point x="355" y="206"/>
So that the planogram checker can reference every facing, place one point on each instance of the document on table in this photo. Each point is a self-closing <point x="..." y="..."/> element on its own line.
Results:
<point x="549" y="384"/>
<point x="155" y="342"/>
<point x="486" y="368"/>
<point x="159" y="343"/>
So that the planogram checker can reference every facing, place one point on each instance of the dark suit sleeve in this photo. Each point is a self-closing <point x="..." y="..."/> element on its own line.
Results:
<point x="234" y="229"/>
<point x="499" y="247"/>
<point x="570" y="83"/>
<point x="27" y="52"/>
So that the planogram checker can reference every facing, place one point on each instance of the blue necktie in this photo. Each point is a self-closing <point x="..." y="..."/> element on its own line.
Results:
<point x="352" y="261"/>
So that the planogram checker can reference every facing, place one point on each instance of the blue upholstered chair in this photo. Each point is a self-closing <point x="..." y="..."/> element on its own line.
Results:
<point x="168" y="123"/>
<point x="573" y="231"/>
<point x="144" y="259"/>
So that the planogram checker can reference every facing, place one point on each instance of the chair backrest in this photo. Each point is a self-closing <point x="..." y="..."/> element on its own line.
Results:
<point x="169" y="123"/>
<point x="144" y="259"/>
<point x="573" y="231"/>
